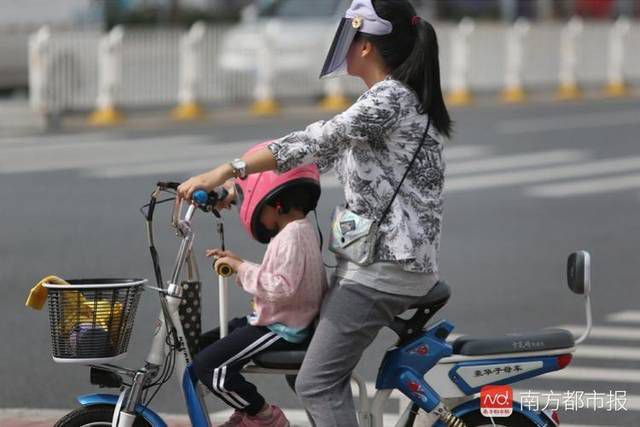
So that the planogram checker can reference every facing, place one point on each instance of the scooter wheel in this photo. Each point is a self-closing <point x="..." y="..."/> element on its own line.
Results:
<point x="94" y="416"/>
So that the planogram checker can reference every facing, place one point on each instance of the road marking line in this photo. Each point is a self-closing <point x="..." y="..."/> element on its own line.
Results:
<point x="456" y="152"/>
<point x="591" y="186"/>
<point x="608" y="332"/>
<point x="608" y="352"/>
<point x="565" y="122"/>
<point x="46" y="141"/>
<point x="629" y="316"/>
<point x="599" y="167"/>
<point x="574" y="373"/>
<point x="516" y="161"/>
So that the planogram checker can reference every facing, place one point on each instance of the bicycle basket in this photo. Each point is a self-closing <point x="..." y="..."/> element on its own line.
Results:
<point x="91" y="319"/>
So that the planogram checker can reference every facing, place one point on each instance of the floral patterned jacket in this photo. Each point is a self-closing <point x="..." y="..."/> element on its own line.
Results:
<point x="370" y="146"/>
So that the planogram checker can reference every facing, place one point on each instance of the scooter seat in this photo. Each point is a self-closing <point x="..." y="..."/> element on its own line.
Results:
<point x="280" y="359"/>
<point x="548" y="339"/>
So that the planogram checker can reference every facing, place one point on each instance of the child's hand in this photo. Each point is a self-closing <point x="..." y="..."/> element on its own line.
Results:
<point x="219" y="253"/>
<point x="234" y="263"/>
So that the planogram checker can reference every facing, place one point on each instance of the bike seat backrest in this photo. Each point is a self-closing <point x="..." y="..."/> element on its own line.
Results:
<point x="425" y="307"/>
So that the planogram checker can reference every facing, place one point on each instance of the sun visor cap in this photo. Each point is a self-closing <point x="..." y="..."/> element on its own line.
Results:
<point x="361" y="16"/>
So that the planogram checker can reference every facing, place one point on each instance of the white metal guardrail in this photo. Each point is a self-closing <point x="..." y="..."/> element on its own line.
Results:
<point x="270" y="61"/>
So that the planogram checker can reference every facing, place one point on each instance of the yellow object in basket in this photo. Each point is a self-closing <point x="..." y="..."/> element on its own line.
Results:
<point x="103" y="310"/>
<point x="38" y="295"/>
<point x="86" y="310"/>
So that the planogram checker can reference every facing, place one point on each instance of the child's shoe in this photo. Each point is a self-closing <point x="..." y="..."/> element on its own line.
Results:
<point x="272" y="416"/>
<point x="235" y="420"/>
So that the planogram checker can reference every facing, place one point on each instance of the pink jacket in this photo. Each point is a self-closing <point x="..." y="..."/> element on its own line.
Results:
<point x="289" y="285"/>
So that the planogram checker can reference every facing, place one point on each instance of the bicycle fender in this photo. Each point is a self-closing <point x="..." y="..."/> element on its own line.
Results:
<point x="540" y="419"/>
<point x="112" y="400"/>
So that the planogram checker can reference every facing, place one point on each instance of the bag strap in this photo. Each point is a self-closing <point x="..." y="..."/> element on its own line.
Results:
<point x="424" y="137"/>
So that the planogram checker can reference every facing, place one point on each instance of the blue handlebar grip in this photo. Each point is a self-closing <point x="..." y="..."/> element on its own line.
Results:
<point x="201" y="197"/>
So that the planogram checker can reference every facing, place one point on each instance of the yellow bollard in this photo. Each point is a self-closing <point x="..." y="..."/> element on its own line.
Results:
<point x="188" y="112"/>
<point x="616" y="90"/>
<point x="335" y="103"/>
<point x="108" y="116"/>
<point x="514" y="95"/>
<point x="109" y="79"/>
<point x="568" y="92"/>
<point x="265" y="107"/>
<point x="459" y="98"/>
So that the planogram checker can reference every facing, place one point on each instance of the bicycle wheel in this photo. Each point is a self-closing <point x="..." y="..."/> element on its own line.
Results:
<point x="94" y="416"/>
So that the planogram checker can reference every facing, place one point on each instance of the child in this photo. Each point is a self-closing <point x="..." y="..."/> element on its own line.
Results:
<point x="287" y="288"/>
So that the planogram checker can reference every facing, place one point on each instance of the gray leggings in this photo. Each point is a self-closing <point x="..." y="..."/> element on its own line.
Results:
<point x="350" y="318"/>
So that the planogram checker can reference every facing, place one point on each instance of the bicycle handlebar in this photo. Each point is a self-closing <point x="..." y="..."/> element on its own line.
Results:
<point x="208" y="201"/>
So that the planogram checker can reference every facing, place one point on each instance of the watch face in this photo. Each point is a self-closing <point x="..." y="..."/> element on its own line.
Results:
<point x="239" y="168"/>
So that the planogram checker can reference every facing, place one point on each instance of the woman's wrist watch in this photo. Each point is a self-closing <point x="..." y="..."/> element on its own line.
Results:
<point x="239" y="168"/>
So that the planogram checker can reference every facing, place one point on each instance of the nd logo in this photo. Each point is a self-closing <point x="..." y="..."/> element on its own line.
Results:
<point x="496" y="401"/>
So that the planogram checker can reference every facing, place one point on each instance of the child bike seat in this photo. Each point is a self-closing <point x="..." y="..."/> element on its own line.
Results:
<point x="291" y="359"/>
<point x="548" y="339"/>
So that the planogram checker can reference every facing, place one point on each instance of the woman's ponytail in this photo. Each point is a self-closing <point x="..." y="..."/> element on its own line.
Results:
<point x="411" y="51"/>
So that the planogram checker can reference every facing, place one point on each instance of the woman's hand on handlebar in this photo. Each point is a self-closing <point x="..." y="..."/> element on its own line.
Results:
<point x="206" y="181"/>
<point x="258" y="161"/>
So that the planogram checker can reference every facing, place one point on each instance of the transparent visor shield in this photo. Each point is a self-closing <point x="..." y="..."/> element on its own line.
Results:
<point x="336" y="62"/>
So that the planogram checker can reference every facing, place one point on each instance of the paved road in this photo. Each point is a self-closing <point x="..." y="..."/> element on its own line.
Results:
<point x="525" y="186"/>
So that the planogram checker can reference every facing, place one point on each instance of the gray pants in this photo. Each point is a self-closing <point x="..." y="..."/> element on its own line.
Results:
<point x="350" y="318"/>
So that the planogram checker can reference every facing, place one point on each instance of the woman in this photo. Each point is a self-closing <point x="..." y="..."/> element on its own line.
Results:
<point x="371" y="146"/>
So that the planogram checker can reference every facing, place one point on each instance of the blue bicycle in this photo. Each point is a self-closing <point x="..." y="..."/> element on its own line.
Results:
<point x="440" y="378"/>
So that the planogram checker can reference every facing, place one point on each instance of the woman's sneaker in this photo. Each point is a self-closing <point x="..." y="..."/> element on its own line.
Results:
<point x="235" y="420"/>
<point x="273" y="417"/>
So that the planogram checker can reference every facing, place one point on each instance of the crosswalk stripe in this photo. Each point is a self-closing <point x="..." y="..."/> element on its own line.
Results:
<point x="150" y="156"/>
<point x="608" y="352"/>
<point x="608" y="332"/>
<point x="599" y="167"/>
<point x="588" y="120"/>
<point x="579" y="373"/>
<point x="49" y="140"/>
<point x="582" y="425"/>
<point x="629" y="316"/>
<point x="187" y="167"/>
<point x="586" y="187"/>
<point x="516" y="161"/>
<point x="455" y="152"/>
<point x="455" y="169"/>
